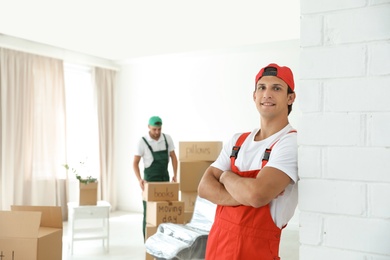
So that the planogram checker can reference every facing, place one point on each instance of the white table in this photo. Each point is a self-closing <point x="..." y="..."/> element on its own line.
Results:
<point x="89" y="222"/>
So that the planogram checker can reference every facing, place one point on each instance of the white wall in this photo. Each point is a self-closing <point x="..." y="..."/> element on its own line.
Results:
<point x="203" y="96"/>
<point x="344" y="135"/>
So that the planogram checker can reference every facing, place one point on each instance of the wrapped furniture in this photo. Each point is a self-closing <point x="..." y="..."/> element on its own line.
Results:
<point x="179" y="241"/>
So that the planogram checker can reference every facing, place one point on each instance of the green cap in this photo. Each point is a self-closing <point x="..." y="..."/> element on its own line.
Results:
<point x="155" y="121"/>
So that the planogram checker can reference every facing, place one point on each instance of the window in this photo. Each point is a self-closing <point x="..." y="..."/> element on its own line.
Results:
<point x="81" y="120"/>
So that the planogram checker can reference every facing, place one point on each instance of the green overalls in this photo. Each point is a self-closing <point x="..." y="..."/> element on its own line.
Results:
<point x="157" y="171"/>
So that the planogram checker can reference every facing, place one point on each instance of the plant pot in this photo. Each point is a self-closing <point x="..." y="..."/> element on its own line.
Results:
<point x="88" y="193"/>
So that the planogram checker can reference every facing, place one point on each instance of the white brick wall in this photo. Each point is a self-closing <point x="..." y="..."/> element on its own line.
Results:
<point x="344" y="134"/>
<point x="379" y="59"/>
<point x="380" y="135"/>
<point x="376" y="193"/>
<point x="320" y="253"/>
<point x="333" y="197"/>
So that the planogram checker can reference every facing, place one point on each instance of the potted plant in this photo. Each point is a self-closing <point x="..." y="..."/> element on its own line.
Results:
<point x="87" y="187"/>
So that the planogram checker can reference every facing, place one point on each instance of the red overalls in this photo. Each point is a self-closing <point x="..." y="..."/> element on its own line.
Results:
<point x="243" y="232"/>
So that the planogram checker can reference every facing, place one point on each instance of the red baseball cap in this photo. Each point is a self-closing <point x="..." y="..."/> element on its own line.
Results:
<point x="283" y="73"/>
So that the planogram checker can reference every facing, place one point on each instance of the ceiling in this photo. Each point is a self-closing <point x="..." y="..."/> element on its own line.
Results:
<point x="123" y="29"/>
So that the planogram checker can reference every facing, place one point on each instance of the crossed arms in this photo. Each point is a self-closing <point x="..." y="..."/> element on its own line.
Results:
<point x="229" y="189"/>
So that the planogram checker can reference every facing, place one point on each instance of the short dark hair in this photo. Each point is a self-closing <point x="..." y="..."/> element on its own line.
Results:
<point x="289" y="91"/>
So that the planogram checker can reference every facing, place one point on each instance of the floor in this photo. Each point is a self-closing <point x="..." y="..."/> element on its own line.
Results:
<point x="126" y="241"/>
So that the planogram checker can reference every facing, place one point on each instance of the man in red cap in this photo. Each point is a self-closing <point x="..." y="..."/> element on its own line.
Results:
<point x="254" y="180"/>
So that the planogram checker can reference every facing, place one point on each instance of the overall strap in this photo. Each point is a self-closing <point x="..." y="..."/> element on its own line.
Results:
<point x="150" y="148"/>
<point x="166" y="143"/>
<point x="236" y="149"/>
<point x="267" y="152"/>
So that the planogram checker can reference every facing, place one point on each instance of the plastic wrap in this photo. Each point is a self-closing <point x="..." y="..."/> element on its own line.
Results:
<point x="178" y="241"/>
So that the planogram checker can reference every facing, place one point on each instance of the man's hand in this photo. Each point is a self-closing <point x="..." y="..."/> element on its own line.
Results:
<point x="142" y="184"/>
<point x="212" y="189"/>
<point x="223" y="175"/>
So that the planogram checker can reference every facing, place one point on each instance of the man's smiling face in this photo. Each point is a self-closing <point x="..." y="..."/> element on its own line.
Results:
<point x="271" y="96"/>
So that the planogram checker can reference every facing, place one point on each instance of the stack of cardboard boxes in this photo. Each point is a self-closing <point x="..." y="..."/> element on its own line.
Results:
<point x="194" y="159"/>
<point x="162" y="206"/>
<point x="162" y="198"/>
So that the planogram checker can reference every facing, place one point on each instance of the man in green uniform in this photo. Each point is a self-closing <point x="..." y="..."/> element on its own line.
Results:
<point x="155" y="149"/>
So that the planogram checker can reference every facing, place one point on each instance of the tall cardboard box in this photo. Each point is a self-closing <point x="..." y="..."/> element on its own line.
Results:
<point x="88" y="194"/>
<point x="199" y="151"/>
<point x="190" y="174"/>
<point x="161" y="191"/>
<point x="189" y="199"/>
<point x="31" y="232"/>
<point x="188" y="216"/>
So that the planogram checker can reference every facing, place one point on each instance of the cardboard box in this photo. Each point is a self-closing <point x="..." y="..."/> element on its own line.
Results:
<point x="149" y="257"/>
<point x="189" y="199"/>
<point x="190" y="174"/>
<point x="199" y="151"/>
<point x="88" y="194"/>
<point x="150" y="230"/>
<point x="31" y="232"/>
<point x="158" y="212"/>
<point x="188" y="216"/>
<point x="161" y="191"/>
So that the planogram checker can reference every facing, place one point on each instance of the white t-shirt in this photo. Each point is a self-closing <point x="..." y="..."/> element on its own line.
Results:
<point x="283" y="156"/>
<point x="159" y="145"/>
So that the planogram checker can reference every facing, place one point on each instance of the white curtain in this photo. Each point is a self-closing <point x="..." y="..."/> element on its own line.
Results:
<point x="32" y="120"/>
<point x="105" y="88"/>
